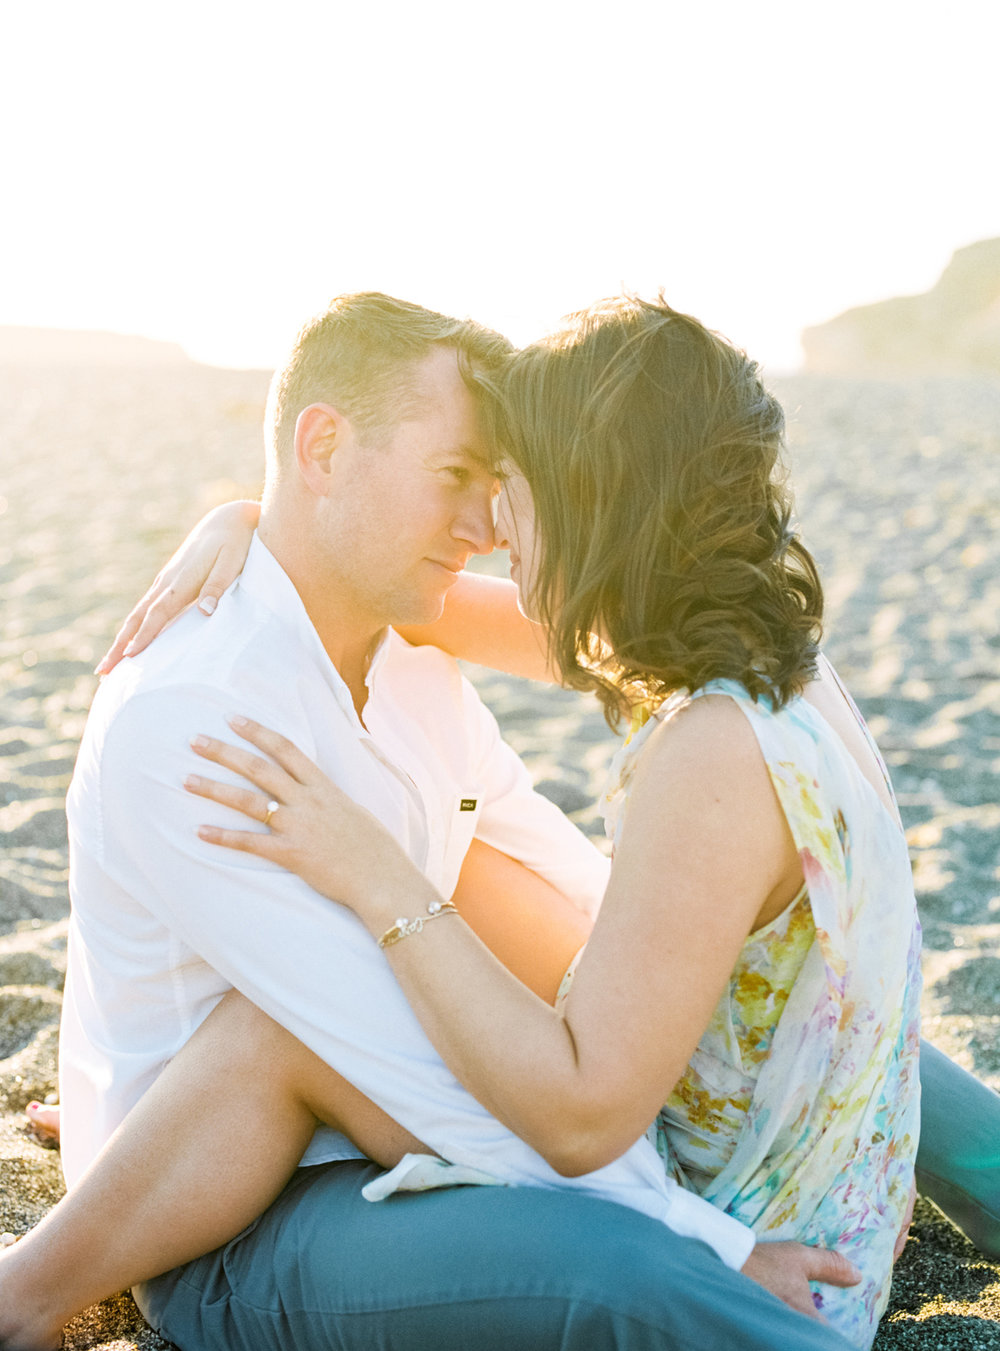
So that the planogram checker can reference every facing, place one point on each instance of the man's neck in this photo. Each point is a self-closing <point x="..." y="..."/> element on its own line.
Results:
<point x="349" y="639"/>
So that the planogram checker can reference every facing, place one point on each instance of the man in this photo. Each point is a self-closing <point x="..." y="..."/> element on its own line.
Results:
<point x="378" y="491"/>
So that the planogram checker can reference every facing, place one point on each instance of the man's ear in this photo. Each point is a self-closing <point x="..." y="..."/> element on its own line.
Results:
<point x="320" y="429"/>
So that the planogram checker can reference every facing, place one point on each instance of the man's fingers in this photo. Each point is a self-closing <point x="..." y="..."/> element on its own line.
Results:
<point x="802" y="1302"/>
<point x="904" y="1229"/>
<point x="786" y="1268"/>
<point x="831" y="1268"/>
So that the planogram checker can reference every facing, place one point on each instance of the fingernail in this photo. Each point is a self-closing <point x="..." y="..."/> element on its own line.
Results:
<point x="129" y="649"/>
<point x="33" y="1106"/>
<point x="199" y="742"/>
<point x="101" y="669"/>
<point x="236" y="720"/>
<point x="192" y="781"/>
<point x="207" y="605"/>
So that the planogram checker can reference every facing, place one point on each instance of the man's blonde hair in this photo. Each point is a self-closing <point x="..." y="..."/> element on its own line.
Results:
<point x="359" y="356"/>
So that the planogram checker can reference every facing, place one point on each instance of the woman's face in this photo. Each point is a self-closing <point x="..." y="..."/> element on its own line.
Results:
<point x="515" y="530"/>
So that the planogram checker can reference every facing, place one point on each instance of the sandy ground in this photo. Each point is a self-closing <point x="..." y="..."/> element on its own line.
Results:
<point x="101" y="472"/>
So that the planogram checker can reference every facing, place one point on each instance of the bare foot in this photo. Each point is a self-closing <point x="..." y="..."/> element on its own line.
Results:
<point x="44" y="1121"/>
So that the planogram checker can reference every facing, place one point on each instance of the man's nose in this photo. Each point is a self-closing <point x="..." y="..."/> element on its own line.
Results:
<point x="475" y="524"/>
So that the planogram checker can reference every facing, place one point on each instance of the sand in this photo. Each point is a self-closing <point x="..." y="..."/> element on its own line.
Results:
<point x="898" y="485"/>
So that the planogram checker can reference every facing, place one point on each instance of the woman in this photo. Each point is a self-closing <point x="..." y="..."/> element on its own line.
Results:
<point x="754" y="965"/>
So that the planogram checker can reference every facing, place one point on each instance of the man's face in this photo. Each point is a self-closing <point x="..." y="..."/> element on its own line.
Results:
<point x="406" y="514"/>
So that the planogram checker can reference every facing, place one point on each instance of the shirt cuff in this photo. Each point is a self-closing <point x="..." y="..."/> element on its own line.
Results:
<point x="692" y="1217"/>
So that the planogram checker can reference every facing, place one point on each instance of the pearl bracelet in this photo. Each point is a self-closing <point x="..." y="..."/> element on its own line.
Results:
<point x="404" y="927"/>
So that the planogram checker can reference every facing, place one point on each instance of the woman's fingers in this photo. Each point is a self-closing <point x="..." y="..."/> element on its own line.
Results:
<point x="227" y="566"/>
<point x="270" y="778"/>
<point x="123" y="637"/>
<point x="208" y="561"/>
<point x="163" y="602"/>
<point x="163" y="605"/>
<point x="261" y="843"/>
<point x="246" y="800"/>
<point x="278" y="747"/>
<point x="283" y="774"/>
<point x="315" y="830"/>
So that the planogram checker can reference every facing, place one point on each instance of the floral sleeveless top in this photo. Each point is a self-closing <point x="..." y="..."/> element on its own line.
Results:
<point x="799" y="1111"/>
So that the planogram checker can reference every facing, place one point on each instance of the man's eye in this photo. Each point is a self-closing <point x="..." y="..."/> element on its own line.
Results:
<point x="460" y="474"/>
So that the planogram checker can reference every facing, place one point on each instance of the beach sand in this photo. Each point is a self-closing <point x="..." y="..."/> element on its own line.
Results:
<point x="898" y="486"/>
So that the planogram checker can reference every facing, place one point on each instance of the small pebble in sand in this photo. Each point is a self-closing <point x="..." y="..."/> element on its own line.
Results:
<point x="7" y="1239"/>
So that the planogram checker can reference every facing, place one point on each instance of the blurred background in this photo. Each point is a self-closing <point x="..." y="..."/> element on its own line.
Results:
<point x="210" y="172"/>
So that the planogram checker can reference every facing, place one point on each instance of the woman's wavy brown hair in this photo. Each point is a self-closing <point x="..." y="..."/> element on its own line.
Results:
<point x="653" y="452"/>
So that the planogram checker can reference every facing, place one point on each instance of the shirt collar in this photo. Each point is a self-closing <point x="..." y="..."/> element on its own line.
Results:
<point x="378" y="657"/>
<point x="266" y="582"/>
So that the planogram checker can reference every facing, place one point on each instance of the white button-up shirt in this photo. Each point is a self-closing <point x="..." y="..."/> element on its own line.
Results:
<point x="164" y="923"/>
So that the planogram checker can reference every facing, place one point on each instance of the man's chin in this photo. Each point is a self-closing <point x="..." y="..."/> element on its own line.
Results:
<point x="425" y="610"/>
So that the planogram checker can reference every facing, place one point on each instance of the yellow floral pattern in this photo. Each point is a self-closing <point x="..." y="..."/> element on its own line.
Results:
<point x="798" y="1113"/>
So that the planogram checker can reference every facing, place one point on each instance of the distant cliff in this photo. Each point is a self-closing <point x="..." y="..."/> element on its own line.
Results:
<point x="69" y="347"/>
<point x="952" y="328"/>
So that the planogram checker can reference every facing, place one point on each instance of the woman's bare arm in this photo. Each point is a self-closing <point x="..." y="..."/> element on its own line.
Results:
<point x="705" y="853"/>
<point x="482" y="623"/>
<point x="209" y="560"/>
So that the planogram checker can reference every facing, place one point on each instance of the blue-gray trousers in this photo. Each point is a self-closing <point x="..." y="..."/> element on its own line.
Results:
<point x="464" y="1269"/>
<point x="521" y="1269"/>
<point x="958" y="1162"/>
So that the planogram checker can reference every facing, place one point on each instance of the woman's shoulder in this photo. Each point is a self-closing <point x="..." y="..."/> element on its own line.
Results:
<point x="711" y="715"/>
<point x="686" y="740"/>
<point x="706" y="738"/>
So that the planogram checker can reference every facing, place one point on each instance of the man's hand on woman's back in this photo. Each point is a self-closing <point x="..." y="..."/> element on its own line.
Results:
<point x="785" y="1269"/>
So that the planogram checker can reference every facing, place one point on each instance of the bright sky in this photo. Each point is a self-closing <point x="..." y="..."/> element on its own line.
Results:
<point x="212" y="171"/>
